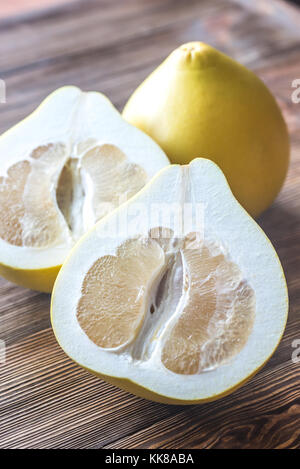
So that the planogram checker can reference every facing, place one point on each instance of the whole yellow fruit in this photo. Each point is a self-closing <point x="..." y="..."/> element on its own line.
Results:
<point x="201" y="103"/>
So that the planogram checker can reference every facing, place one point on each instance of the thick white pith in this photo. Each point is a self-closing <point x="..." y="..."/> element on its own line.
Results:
<point x="226" y="223"/>
<point x="64" y="193"/>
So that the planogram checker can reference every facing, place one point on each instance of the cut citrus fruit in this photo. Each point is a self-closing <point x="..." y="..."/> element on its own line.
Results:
<point x="62" y="169"/>
<point x="177" y="296"/>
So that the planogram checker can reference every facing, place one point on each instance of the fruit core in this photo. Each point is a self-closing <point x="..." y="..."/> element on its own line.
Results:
<point x="182" y="299"/>
<point x="57" y="193"/>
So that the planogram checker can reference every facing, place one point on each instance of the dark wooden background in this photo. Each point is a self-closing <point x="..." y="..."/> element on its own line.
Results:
<point x="46" y="401"/>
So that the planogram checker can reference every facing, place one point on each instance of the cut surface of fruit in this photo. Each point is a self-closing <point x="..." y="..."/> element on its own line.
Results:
<point x="217" y="314"/>
<point x="74" y="160"/>
<point x="113" y="302"/>
<point x="212" y="319"/>
<point x="182" y="311"/>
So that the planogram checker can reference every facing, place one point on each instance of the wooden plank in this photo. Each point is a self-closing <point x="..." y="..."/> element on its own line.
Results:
<point x="97" y="25"/>
<point x="247" y="421"/>
<point x="98" y="67"/>
<point x="55" y="403"/>
<point x="15" y="8"/>
<point x="47" y="401"/>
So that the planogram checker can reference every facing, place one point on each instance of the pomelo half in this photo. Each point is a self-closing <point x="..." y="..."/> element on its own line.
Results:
<point x="177" y="296"/>
<point x="62" y="169"/>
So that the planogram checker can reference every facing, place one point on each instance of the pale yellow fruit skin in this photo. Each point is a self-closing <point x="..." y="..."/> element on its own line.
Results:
<point x="140" y="391"/>
<point x="36" y="279"/>
<point x="145" y="393"/>
<point x="201" y="103"/>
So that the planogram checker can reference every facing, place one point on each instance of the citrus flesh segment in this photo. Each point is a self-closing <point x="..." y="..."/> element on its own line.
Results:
<point x="113" y="177"/>
<point x="217" y="317"/>
<point x="114" y="293"/>
<point x="27" y="205"/>
<point x="11" y="203"/>
<point x="51" y="196"/>
<point x="209" y="324"/>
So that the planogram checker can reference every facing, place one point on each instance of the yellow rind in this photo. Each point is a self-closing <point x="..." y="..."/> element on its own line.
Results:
<point x="135" y="388"/>
<point x="201" y="102"/>
<point x="144" y="393"/>
<point x="36" y="279"/>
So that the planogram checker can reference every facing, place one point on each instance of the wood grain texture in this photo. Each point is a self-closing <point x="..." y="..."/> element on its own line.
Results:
<point x="18" y="7"/>
<point x="46" y="401"/>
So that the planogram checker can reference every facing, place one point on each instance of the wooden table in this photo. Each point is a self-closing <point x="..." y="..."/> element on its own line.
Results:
<point x="46" y="400"/>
